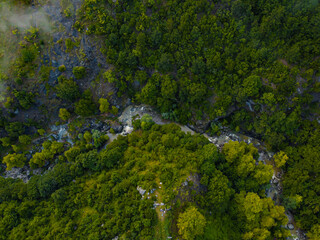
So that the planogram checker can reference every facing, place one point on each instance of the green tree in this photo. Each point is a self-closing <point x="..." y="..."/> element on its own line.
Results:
<point x="14" y="160"/>
<point x="146" y="122"/>
<point x="110" y="76"/>
<point x="314" y="233"/>
<point x="41" y="131"/>
<point x="25" y="139"/>
<point x="67" y="89"/>
<point x="280" y="159"/>
<point x="50" y="149"/>
<point x="168" y="87"/>
<point x="260" y="217"/>
<point x="64" y="115"/>
<point x="164" y="64"/>
<point x="191" y="223"/>
<point x="85" y="107"/>
<point x="39" y="159"/>
<point x="219" y="192"/>
<point x="89" y="160"/>
<point x="263" y="173"/>
<point x="6" y="141"/>
<point x="251" y="86"/>
<point x="114" y="110"/>
<point x="72" y="153"/>
<point x="104" y="105"/>
<point x="292" y="202"/>
<point x="62" y="68"/>
<point x="87" y="136"/>
<point x="108" y="158"/>
<point x="15" y="129"/>
<point x="79" y="72"/>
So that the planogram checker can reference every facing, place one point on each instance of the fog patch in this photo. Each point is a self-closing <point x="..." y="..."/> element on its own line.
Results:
<point x="13" y="17"/>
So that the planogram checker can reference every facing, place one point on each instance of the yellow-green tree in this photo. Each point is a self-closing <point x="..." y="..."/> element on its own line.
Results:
<point x="280" y="159"/>
<point x="14" y="160"/>
<point x="314" y="233"/>
<point x="104" y="105"/>
<point x="260" y="217"/>
<point x="191" y="223"/>
<point x="64" y="114"/>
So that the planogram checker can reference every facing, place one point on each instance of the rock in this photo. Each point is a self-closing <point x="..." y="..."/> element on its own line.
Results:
<point x="250" y="107"/>
<point x="117" y="127"/>
<point x="275" y="180"/>
<point x="262" y="156"/>
<point x="141" y="190"/>
<point x="127" y="130"/>
<point x="290" y="226"/>
<point x="105" y="128"/>
<point x="152" y="190"/>
<point x="234" y="137"/>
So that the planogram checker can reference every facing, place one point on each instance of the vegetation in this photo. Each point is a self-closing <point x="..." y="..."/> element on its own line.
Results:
<point x="79" y="72"/>
<point x="64" y="114"/>
<point x="247" y="66"/>
<point x="104" y="189"/>
<point x="14" y="160"/>
<point x="252" y="64"/>
<point x="104" y="105"/>
<point x="191" y="223"/>
<point x="62" y="68"/>
<point x="67" y="89"/>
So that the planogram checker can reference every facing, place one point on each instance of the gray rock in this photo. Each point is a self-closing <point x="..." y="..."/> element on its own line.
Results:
<point x="117" y="127"/>
<point x="290" y="226"/>
<point x="275" y="180"/>
<point x="127" y="130"/>
<point x="141" y="190"/>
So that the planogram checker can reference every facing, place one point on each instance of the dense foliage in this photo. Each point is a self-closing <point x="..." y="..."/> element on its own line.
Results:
<point x="255" y="64"/>
<point x="183" y="52"/>
<point x="93" y="194"/>
<point x="251" y="66"/>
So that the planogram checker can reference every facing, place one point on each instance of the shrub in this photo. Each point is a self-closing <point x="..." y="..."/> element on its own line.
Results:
<point x="25" y="139"/>
<point x="79" y="72"/>
<point x="41" y="131"/>
<point x="85" y="107"/>
<point x="62" y="68"/>
<point x="67" y="89"/>
<point x="114" y="110"/>
<point x="104" y="105"/>
<point x="28" y="54"/>
<point x="64" y="114"/>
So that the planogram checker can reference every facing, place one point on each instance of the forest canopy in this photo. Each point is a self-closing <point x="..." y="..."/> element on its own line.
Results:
<point x="95" y="193"/>
<point x="241" y="66"/>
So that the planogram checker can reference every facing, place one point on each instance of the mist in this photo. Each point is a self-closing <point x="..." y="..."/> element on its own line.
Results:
<point x="21" y="19"/>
